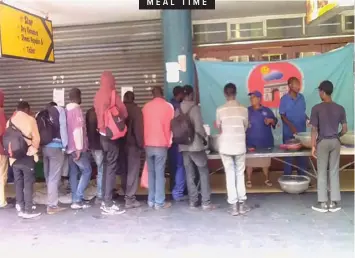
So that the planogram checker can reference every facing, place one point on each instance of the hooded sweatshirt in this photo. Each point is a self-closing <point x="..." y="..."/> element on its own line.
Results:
<point x="2" y="121"/>
<point x="103" y="99"/>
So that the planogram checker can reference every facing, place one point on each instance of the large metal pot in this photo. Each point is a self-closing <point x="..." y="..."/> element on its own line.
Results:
<point x="305" y="139"/>
<point x="213" y="143"/>
<point x="347" y="139"/>
<point x="294" y="184"/>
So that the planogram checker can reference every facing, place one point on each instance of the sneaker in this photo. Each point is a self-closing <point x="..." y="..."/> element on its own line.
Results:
<point x="30" y="214"/>
<point x="79" y="206"/>
<point x="7" y="206"/>
<point x="132" y="203"/>
<point x="320" y="207"/>
<point x="334" y="207"/>
<point x="193" y="205"/>
<point x="208" y="207"/>
<point x="54" y="209"/>
<point x="243" y="208"/>
<point x="112" y="210"/>
<point x="234" y="209"/>
<point x="166" y="205"/>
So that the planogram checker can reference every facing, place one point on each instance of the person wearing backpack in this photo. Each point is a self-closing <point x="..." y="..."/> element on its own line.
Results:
<point x="176" y="162"/>
<point x="53" y="152"/>
<point x="4" y="164"/>
<point x="193" y="150"/>
<point x="79" y="158"/>
<point x="157" y="116"/>
<point x="111" y="114"/>
<point x="21" y="143"/>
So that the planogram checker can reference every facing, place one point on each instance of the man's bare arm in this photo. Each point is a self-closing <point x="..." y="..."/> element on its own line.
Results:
<point x="344" y="129"/>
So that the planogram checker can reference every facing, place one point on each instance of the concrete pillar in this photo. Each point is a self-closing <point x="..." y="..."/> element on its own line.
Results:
<point x="177" y="38"/>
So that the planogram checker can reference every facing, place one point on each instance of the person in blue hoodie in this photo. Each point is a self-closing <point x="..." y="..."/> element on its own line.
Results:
<point x="175" y="157"/>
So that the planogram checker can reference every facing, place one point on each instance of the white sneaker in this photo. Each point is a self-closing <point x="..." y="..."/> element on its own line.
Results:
<point x="113" y="210"/>
<point x="79" y="206"/>
<point x="30" y="215"/>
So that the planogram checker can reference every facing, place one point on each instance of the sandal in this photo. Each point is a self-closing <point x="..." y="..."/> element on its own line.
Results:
<point x="249" y="185"/>
<point x="268" y="183"/>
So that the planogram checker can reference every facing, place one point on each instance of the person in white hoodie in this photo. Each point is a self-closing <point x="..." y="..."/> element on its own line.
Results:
<point x="79" y="159"/>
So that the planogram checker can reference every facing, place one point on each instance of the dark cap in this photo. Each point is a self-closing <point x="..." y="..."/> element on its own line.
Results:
<point x="326" y="86"/>
<point x="188" y="90"/>
<point x="256" y="94"/>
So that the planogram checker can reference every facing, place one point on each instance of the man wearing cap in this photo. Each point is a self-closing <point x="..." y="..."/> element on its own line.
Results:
<point x="259" y="135"/>
<point x="325" y="120"/>
<point x="294" y="120"/>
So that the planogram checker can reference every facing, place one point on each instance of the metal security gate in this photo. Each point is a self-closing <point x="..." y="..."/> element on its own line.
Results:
<point x="132" y="51"/>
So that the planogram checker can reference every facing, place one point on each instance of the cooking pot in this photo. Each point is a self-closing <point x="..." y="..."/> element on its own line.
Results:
<point x="305" y="139"/>
<point x="294" y="184"/>
<point x="213" y="142"/>
<point x="347" y="139"/>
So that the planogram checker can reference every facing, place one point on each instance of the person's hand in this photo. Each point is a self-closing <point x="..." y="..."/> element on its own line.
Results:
<point x="77" y="155"/>
<point x="308" y="123"/>
<point x="314" y="152"/>
<point x="268" y="121"/>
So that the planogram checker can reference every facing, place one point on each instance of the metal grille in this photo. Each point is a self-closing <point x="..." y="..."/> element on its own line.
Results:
<point x="132" y="51"/>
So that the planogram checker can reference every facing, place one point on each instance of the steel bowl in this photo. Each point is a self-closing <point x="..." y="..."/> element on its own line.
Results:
<point x="347" y="139"/>
<point x="213" y="143"/>
<point x="305" y="139"/>
<point x="294" y="184"/>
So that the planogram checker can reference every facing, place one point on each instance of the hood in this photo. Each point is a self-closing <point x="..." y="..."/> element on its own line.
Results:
<point x="107" y="82"/>
<point x="2" y="97"/>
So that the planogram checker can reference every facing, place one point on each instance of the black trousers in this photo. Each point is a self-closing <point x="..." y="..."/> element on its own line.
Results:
<point x="110" y="164"/>
<point x="24" y="178"/>
<point x="130" y="166"/>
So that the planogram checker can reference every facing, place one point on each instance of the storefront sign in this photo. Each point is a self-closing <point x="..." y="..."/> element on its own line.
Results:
<point x="25" y="36"/>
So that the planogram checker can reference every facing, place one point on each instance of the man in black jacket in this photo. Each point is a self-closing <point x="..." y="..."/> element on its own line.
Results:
<point x="96" y="150"/>
<point x="133" y="146"/>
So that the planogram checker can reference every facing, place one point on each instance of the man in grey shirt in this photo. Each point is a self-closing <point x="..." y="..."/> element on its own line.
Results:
<point x="195" y="154"/>
<point x="325" y="120"/>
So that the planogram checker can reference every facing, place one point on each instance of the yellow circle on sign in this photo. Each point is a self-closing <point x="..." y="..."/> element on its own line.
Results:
<point x="265" y="69"/>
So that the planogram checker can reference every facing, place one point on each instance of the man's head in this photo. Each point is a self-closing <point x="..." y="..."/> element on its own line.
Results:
<point x="230" y="91"/>
<point x="157" y="92"/>
<point x="24" y="107"/>
<point x="128" y="97"/>
<point x="75" y="95"/>
<point x="325" y="89"/>
<point x="188" y="92"/>
<point x="294" y="84"/>
<point x="255" y="98"/>
<point x="178" y="93"/>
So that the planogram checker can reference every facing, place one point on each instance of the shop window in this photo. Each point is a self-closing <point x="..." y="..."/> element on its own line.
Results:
<point x="349" y="23"/>
<point x="247" y="30"/>
<point x="284" y="28"/>
<point x="210" y="33"/>
<point x="274" y="57"/>
<point x="306" y="54"/>
<point x="329" y="27"/>
<point x="242" y="58"/>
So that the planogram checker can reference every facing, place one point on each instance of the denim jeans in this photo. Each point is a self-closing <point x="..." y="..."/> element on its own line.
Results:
<point x="80" y="167"/>
<point x="156" y="159"/>
<point x="98" y="156"/>
<point x="177" y="170"/>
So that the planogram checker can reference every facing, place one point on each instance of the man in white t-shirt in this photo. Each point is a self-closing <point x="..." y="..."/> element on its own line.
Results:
<point x="232" y="120"/>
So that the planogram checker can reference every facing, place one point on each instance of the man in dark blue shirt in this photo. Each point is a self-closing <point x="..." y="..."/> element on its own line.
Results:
<point x="294" y="120"/>
<point x="175" y="157"/>
<point x="259" y="135"/>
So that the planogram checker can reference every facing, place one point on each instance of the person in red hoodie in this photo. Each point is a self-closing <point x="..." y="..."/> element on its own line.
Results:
<point x="110" y="148"/>
<point x="4" y="163"/>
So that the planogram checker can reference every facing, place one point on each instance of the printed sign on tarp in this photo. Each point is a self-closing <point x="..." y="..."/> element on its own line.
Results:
<point x="270" y="78"/>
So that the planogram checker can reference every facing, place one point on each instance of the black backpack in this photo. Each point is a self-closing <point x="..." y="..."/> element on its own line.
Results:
<point x="45" y="127"/>
<point x="182" y="128"/>
<point x="14" y="142"/>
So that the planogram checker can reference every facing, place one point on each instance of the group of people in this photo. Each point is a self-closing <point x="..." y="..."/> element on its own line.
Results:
<point x="75" y="137"/>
